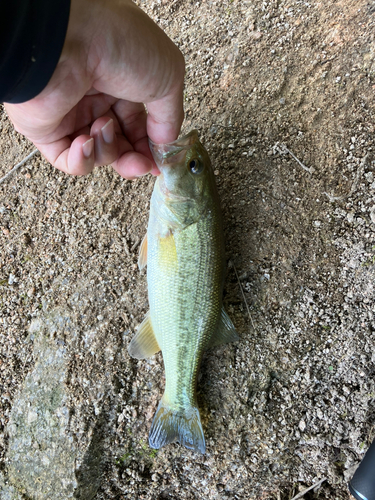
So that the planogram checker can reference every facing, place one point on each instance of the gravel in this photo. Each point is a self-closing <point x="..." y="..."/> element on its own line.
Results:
<point x="293" y="402"/>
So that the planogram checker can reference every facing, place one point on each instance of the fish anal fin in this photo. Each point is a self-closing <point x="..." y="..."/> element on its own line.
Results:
<point x="225" y="332"/>
<point x="144" y="344"/>
<point x="142" y="258"/>
<point x="170" y="425"/>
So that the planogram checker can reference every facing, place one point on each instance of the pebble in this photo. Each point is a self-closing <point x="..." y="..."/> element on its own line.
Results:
<point x="350" y="217"/>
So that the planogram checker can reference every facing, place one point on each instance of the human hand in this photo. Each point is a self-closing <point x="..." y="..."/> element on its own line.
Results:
<point x="115" y="58"/>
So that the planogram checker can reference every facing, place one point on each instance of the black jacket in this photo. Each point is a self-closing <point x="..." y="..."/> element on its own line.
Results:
<point x="32" y="34"/>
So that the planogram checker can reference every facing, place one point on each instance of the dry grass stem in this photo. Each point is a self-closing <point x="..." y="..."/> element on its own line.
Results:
<point x="315" y="485"/>
<point x="243" y="295"/>
<point x="16" y="167"/>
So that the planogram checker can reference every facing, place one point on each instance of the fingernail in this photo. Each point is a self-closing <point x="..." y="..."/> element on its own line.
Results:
<point x="108" y="132"/>
<point x="88" y="148"/>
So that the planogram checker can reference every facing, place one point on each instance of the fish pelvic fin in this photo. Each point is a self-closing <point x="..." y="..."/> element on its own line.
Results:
<point x="144" y="344"/>
<point x="170" y="425"/>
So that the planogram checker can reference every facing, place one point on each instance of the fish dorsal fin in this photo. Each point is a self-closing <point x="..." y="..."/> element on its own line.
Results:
<point x="144" y="344"/>
<point x="225" y="332"/>
<point x="142" y="259"/>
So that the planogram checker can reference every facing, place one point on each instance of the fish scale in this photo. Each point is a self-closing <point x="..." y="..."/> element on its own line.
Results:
<point x="193" y="297"/>
<point x="184" y="251"/>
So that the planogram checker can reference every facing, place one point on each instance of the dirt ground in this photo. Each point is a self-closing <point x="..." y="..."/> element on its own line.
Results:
<point x="282" y="93"/>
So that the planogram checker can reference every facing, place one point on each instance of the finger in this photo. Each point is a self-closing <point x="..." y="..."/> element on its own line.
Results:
<point x="77" y="133"/>
<point x="92" y="107"/>
<point x="106" y="143"/>
<point x="130" y="163"/>
<point x="126" y="160"/>
<point x="133" y="120"/>
<point x="79" y="159"/>
<point x="142" y="146"/>
<point x="74" y="158"/>
<point x="132" y="117"/>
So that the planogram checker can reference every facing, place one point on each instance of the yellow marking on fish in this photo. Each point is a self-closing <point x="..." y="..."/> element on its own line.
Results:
<point x="167" y="254"/>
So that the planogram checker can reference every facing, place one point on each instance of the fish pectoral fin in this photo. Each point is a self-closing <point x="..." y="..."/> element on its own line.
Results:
<point x="144" y="344"/>
<point x="225" y="332"/>
<point x="142" y="258"/>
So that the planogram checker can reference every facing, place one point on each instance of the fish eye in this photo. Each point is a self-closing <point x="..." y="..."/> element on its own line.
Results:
<point x="196" y="166"/>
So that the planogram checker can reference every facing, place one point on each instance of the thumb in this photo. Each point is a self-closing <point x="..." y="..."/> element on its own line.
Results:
<point x="165" y="117"/>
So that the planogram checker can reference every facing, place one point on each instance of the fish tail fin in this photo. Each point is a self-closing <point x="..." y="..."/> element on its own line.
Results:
<point x="170" y="425"/>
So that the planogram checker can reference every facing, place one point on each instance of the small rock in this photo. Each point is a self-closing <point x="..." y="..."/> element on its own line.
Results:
<point x="350" y="217"/>
<point x="32" y="416"/>
<point x="369" y="176"/>
<point x="302" y="425"/>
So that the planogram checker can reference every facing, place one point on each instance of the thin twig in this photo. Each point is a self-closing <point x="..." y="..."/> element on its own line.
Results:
<point x="137" y="242"/>
<point x="281" y="148"/>
<point x="303" y="493"/>
<point x="333" y="198"/>
<point x="16" y="167"/>
<point x="243" y="295"/>
<point x="308" y="169"/>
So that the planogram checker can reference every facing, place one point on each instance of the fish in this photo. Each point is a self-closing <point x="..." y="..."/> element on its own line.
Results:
<point x="185" y="257"/>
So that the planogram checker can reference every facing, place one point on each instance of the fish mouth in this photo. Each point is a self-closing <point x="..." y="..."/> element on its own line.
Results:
<point x="172" y="153"/>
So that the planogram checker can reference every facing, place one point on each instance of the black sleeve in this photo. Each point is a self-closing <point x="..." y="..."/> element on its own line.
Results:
<point x="32" y="34"/>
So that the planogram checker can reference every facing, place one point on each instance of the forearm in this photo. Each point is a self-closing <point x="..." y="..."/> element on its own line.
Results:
<point x="32" y="34"/>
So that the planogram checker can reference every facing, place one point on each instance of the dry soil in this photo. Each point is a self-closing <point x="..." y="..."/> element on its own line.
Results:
<point x="282" y="93"/>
